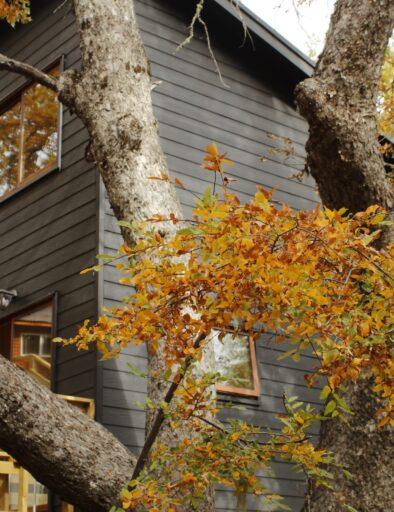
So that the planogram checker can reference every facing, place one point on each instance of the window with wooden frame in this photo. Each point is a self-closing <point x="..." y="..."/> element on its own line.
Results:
<point x="25" y="339"/>
<point x="235" y="359"/>
<point x="29" y="136"/>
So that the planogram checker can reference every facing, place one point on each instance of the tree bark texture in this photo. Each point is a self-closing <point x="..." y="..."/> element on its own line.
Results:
<point x="339" y="103"/>
<point x="112" y="95"/>
<point x="59" y="445"/>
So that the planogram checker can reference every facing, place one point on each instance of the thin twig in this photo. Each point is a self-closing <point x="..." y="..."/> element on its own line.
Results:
<point x="160" y="416"/>
<point x="15" y="66"/>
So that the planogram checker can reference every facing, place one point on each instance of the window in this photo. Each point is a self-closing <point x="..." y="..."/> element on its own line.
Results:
<point x="29" y="136"/>
<point x="38" y="344"/>
<point x="235" y="358"/>
<point x="26" y="339"/>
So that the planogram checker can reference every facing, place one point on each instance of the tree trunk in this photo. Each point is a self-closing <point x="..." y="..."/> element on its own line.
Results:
<point x="113" y="98"/>
<point x="339" y="103"/>
<point x="60" y="446"/>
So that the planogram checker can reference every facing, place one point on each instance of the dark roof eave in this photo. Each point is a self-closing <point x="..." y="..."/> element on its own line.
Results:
<point x="262" y="30"/>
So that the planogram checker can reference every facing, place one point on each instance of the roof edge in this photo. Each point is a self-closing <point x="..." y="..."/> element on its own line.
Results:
<point x="262" y="30"/>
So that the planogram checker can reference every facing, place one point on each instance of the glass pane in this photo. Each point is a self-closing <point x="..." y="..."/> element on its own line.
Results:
<point x="9" y="148"/>
<point x="40" y="136"/>
<point x="30" y="344"/>
<point x="45" y="346"/>
<point x="232" y="356"/>
<point x="36" y="497"/>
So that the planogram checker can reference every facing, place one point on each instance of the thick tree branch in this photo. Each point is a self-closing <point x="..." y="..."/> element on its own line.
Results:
<point x="339" y="102"/>
<point x="64" y="449"/>
<point x="28" y="71"/>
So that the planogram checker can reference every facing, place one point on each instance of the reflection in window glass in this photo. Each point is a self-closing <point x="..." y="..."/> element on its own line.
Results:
<point x="233" y="361"/>
<point x="36" y="496"/>
<point x="28" y="136"/>
<point x="39" y="130"/>
<point x="10" y="124"/>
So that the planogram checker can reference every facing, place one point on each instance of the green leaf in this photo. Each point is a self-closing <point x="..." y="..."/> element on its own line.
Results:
<point x="326" y="391"/>
<point x="109" y="257"/>
<point x="342" y="404"/>
<point x="378" y="218"/>
<point x="135" y="371"/>
<point x="168" y="374"/>
<point x="189" y="231"/>
<point x="330" y="407"/>
<point x="124" y="224"/>
<point x="348" y="475"/>
<point x="350" y="508"/>
<point x="149" y="403"/>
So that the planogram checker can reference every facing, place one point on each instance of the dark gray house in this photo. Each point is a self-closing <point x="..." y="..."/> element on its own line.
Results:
<point x="54" y="217"/>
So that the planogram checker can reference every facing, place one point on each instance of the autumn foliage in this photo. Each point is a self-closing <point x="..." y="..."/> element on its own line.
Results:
<point x="312" y="279"/>
<point x="15" y="11"/>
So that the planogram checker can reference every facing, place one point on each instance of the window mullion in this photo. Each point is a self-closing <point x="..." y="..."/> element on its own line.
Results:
<point x="22" y="137"/>
<point x="41" y="345"/>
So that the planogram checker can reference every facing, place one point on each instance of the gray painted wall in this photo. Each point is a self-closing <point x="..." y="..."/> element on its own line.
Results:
<point x="48" y="231"/>
<point x="195" y="108"/>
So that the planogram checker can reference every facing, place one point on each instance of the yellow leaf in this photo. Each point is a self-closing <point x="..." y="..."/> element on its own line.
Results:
<point x="364" y="328"/>
<point x="212" y="149"/>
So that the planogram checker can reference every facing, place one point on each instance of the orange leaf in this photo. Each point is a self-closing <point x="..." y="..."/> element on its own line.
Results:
<point x="179" y="183"/>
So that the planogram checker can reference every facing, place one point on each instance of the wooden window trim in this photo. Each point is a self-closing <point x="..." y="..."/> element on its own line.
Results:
<point x="25" y="323"/>
<point x="13" y="321"/>
<point x="244" y="392"/>
<point x="7" y="104"/>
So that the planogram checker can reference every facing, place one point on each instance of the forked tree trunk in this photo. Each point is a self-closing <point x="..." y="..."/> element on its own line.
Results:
<point x="339" y="103"/>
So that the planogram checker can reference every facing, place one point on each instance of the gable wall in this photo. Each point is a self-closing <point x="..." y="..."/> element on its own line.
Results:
<point x="193" y="109"/>
<point x="48" y="231"/>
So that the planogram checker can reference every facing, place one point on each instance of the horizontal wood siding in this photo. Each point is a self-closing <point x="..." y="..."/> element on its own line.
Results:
<point x="195" y="108"/>
<point x="48" y="231"/>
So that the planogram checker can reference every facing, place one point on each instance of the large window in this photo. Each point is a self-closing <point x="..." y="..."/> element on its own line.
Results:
<point x="29" y="136"/>
<point x="235" y="359"/>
